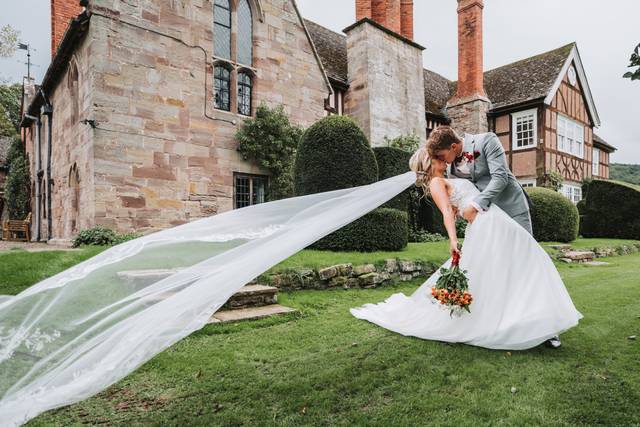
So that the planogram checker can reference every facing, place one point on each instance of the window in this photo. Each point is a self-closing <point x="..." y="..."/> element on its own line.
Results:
<point x="527" y="182"/>
<point x="222" y="83"/>
<point x="572" y="192"/>
<point x="245" y="34"/>
<point x="334" y="104"/>
<point x="229" y="79"/>
<point x="570" y="136"/>
<point x="244" y="93"/>
<point x="595" y="170"/>
<point x="222" y="29"/>
<point x="524" y="125"/>
<point x="249" y="190"/>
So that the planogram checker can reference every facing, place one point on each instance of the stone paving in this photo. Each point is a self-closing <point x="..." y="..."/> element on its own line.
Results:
<point x="32" y="246"/>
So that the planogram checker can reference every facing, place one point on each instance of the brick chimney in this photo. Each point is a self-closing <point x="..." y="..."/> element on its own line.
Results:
<point x="396" y="15"/>
<point x="469" y="106"/>
<point x="62" y="12"/>
<point x="406" y="18"/>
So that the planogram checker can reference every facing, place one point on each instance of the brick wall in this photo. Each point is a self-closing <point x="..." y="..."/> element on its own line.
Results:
<point x="62" y="11"/>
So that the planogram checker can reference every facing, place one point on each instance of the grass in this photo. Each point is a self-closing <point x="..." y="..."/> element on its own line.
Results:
<point x="594" y="243"/>
<point x="322" y="366"/>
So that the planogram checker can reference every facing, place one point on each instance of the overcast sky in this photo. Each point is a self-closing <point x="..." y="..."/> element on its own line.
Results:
<point x="606" y="33"/>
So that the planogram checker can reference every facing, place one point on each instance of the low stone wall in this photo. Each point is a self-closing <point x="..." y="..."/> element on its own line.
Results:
<point x="347" y="276"/>
<point x="567" y="254"/>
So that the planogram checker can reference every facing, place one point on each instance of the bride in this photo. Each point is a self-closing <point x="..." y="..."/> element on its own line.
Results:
<point x="519" y="300"/>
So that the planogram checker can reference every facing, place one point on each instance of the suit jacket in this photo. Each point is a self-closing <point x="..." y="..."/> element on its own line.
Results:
<point x="490" y="173"/>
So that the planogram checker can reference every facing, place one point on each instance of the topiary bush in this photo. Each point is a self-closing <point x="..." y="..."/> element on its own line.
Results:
<point x="391" y="162"/>
<point x="333" y="154"/>
<point x="101" y="236"/>
<point x="554" y="217"/>
<point x="611" y="210"/>
<point x="382" y="229"/>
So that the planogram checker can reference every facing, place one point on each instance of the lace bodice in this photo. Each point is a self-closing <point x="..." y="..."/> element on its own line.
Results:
<point x="463" y="191"/>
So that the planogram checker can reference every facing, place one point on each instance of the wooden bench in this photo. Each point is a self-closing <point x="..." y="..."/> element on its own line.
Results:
<point x="11" y="228"/>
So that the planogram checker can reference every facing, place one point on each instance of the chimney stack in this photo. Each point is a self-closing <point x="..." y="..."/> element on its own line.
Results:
<point x="396" y="15"/>
<point x="470" y="55"/>
<point x="62" y="12"/>
<point x="469" y="106"/>
<point x="406" y="17"/>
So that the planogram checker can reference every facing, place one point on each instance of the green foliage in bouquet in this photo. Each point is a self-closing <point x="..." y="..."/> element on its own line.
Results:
<point x="452" y="287"/>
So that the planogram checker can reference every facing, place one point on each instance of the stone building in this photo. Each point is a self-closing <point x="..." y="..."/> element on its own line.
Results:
<point x="133" y="124"/>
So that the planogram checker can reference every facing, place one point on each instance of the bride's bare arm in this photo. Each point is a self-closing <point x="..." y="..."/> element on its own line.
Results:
<point x="438" y="189"/>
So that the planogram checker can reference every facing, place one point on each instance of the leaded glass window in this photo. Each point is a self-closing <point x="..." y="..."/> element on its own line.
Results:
<point x="245" y="34"/>
<point x="244" y="94"/>
<point x="222" y="29"/>
<point x="222" y="83"/>
<point x="249" y="190"/>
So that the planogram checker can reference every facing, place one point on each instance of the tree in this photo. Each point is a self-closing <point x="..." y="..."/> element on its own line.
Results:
<point x="17" y="190"/>
<point x="10" y="96"/>
<point x="8" y="41"/>
<point x="271" y="140"/>
<point x="634" y="62"/>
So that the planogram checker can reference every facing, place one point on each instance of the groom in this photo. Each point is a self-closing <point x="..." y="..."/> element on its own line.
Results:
<point x="481" y="159"/>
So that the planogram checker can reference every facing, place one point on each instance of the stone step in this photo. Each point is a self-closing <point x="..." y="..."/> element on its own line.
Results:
<point x="578" y="256"/>
<point x="224" y="316"/>
<point x="252" y="296"/>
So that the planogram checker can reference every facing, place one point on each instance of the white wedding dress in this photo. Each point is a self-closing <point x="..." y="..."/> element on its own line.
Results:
<point x="519" y="300"/>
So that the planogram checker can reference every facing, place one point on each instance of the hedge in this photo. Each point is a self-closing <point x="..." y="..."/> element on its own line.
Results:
<point x="333" y="154"/>
<point x="382" y="229"/>
<point x="554" y="217"/>
<point x="391" y="162"/>
<point x="611" y="210"/>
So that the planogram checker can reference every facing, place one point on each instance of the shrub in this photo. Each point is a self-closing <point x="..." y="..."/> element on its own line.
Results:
<point x="554" y="217"/>
<point x="553" y="181"/>
<point x="17" y="188"/>
<point x="382" y="229"/>
<point x="409" y="143"/>
<point x="101" y="236"/>
<point x="333" y="154"/>
<point x="271" y="141"/>
<point x="423" y="236"/>
<point x="392" y="162"/>
<point x="611" y="210"/>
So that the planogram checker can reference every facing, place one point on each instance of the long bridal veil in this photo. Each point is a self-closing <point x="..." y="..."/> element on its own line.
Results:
<point x="74" y="334"/>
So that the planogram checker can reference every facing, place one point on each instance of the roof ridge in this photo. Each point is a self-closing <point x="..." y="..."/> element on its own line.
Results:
<point x="436" y="73"/>
<point x="533" y="57"/>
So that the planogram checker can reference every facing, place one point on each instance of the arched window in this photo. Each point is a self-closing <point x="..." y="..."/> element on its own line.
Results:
<point x="222" y="83"/>
<point x="72" y="84"/>
<point x="244" y="93"/>
<point x="245" y="34"/>
<point x="222" y="29"/>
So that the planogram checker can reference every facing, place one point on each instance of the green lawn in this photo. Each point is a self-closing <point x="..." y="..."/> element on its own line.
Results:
<point x="324" y="367"/>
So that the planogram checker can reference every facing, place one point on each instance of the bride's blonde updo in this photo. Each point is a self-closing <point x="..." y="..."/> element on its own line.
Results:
<point x="420" y="163"/>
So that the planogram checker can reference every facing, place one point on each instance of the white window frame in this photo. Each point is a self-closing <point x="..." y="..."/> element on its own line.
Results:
<point x="514" y="128"/>
<point x="527" y="182"/>
<point x="570" y="136"/>
<point x="572" y="192"/>
<point x="595" y="162"/>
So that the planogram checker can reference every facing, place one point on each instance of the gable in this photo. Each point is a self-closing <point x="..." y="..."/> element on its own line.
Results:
<point x="586" y="99"/>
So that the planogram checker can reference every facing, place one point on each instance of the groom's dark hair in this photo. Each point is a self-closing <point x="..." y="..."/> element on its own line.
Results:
<point x="442" y="138"/>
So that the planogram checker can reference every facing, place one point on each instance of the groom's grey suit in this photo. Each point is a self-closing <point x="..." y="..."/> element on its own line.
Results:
<point x="490" y="173"/>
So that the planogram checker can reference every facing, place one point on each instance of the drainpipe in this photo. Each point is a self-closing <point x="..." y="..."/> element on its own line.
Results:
<point x="47" y="110"/>
<point x="38" y="167"/>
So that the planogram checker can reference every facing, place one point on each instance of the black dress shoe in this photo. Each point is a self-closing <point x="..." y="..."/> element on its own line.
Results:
<point x="553" y="342"/>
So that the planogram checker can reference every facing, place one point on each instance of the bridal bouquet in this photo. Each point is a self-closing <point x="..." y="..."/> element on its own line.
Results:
<point x="451" y="287"/>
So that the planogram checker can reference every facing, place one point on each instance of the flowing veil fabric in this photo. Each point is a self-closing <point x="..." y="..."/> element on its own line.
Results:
<point x="74" y="334"/>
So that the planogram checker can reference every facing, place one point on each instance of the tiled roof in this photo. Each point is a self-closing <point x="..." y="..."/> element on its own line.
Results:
<point x="525" y="80"/>
<point x="603" y="144"/>
<point x="437" y="92"/>
<point x="332" y="49"/>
